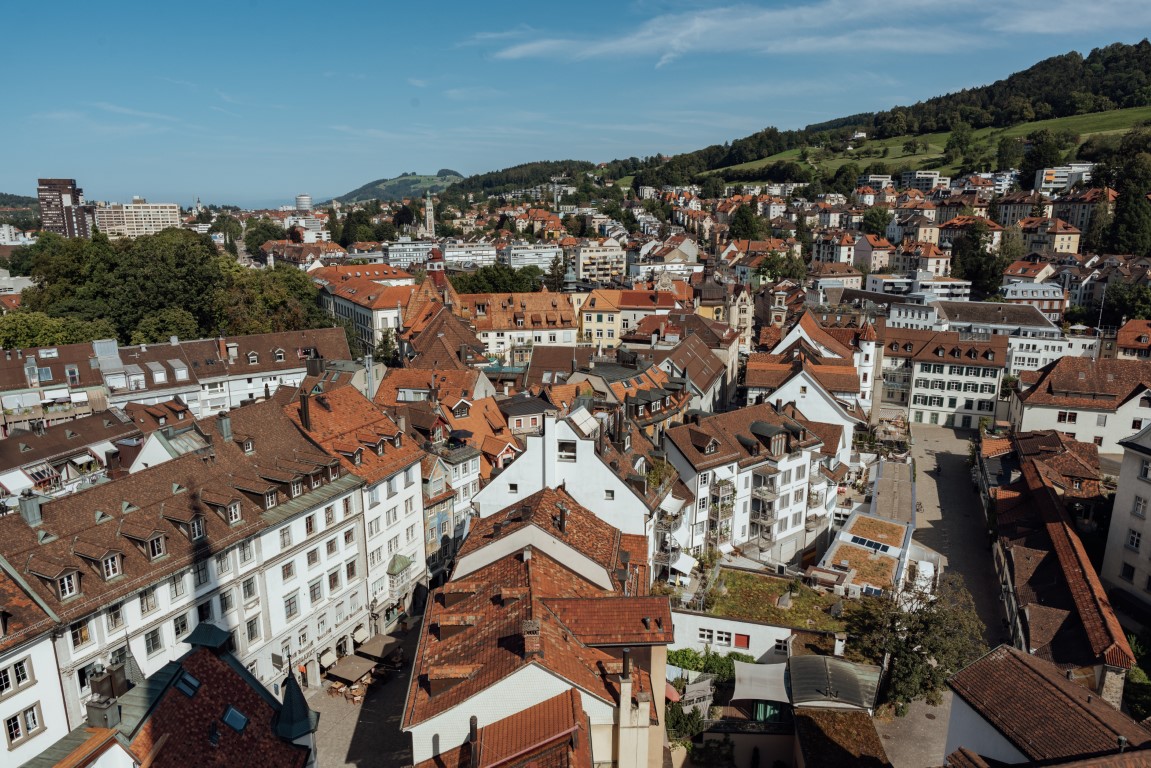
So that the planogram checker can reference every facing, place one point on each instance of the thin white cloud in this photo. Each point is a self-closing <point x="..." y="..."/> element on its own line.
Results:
<point x="184" y="83"/>
<point x="747" y="29"/>
<point x="116" y="109"/>
<point x="478" y="93"/>
<point x="523" y="30"/>
<point x="1064" y="17"/>
<point x="416" y="82"/>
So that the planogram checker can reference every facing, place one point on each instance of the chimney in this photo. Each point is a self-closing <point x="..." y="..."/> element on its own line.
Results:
<point x="224" y="425"/>
<point x="30" y="508"/>
<point x="531" y="633"/>
<point x="563" y="517"/>
<point x="626" y="673"/>
<point x="507" y="389"/>
<point x="840" y="643"/>
<point x="625" y="687"/>
<point x="306" y="411"/>
<point x="474" y="741"/>
<point x="221" y="348"/>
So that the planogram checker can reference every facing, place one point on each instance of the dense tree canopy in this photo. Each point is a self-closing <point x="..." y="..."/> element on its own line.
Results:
<point x="499" y="278"/>
<point x="745" y="224"/>
<point x="929" y="637"/>
<point x="260" y="231"/>
<point x="173" y="283"/>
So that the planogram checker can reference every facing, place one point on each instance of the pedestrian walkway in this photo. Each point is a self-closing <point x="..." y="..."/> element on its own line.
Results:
<point x="366" y="734"/>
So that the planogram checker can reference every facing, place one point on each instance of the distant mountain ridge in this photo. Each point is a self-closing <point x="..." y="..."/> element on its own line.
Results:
<point x="404" y="185"/>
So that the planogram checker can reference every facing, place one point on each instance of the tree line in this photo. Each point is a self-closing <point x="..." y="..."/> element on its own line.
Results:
<point x="173" y="283"/>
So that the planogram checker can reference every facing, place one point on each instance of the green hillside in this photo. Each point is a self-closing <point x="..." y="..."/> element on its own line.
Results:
<point x="17" y="201"/>
<point x="404" y="185"/>
<point x="1115" y="121"/>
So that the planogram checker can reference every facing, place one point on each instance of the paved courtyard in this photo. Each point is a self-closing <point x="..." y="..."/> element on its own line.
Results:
<point x="955" y="529"/>
<point x="366" y="734"/>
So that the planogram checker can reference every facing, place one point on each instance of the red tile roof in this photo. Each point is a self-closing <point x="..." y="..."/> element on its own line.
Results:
<point x="180" y="725"/>
<point x="1042" y="713"/>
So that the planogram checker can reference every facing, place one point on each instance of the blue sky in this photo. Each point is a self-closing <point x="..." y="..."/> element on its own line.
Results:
<point x="254" y="101"/>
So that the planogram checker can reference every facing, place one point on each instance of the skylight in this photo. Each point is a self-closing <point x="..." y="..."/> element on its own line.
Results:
<point x="188" y="685"/>
<point x="235" y="720"/>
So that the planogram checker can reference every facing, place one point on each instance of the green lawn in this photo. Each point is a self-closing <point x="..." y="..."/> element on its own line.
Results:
<point x="753" y="596"/>
<point x="1114" y="121"/>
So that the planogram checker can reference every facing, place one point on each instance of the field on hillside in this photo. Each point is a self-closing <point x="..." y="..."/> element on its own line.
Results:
<point x="1114" y="121"/>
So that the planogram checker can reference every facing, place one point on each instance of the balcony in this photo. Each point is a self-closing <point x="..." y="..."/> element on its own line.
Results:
<point x="720" y="511"/>
<point x="815" y="500"/>
<point x="811" y="524"/>
<point x="722" y="488"/>
<point x="668" y="523"/>
<point x="716" y="538"/>
<point x="667" y="552"/>
<point x="764" y="517"/>
<point x="765" y="492"/>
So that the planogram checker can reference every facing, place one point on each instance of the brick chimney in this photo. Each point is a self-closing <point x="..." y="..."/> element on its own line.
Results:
<point x="531" y="633"/>
<point x="306" y="411"/>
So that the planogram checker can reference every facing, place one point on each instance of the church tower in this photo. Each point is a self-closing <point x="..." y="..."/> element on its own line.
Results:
<point x="429" y="215"/>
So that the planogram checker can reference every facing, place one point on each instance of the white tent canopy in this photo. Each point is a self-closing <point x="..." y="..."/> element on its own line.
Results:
<point x="684" y="563"/>
<point x="763" y="682"/>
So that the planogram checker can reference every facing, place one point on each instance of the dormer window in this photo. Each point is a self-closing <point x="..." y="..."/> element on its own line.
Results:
<point x="711" y="447"/>
<point x="270" y="499"/>
<point x="253" y="358"/>
<point x="156" y="547"/>
<point x="196" y="528"/>
<point x="357" y="457"/>
<point x="249" y="446"/>
<point x="380" y="448"/>
<point x="990" y="355"/>
<point x="279" y="355"/>
<point x="460" y="411"/>
<point x="297" y="488"/>
<point x="398" y="440"/>
<point x="317" y="481"/>
<point x="111" y="566"/>
<point x="68" y="585"/>
<point x="334" y="472"/>
<point x="233" y="513"/>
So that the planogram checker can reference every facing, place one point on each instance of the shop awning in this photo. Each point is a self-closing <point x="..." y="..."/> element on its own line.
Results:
<point x="684" y="563"/>
<point x="15" y="481"/>
<point x="79" y="397"/>
<point x="760" y="682"/>
<point x="327" y="658"/>
<point x="349" y="669"/>
<point x="10" y="401"/>
<point x="82" y="460"/>
<point x="378" y="647"/>
<point x="55" y="394"/>
<point x="360" y="635"/>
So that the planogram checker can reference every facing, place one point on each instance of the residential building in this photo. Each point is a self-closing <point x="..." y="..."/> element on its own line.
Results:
<point x="1101" y="401"/>
<point x="1014" y="708"/>
<point x="504" y="322"/>
<point x="1049" y="298"/>
<point x="834" y="274"/>
<point x="943" y="377"/>
<point x="522" y="254"/>
<point x="137" y="218"/>
<point x="1123" y="568"/>
<point x="1044" y="234"/>
<point x="32" y="708"/>
<point x="921" y="285"/>
<point x="924" y="181"/>
<point x="1032" y="339"/>
<point x="205" y="702"/>
<point x="376" y="311"/>
<point x="1016" y="206"/>
<point x="643" y="392"/>
<point x="701" y="371"/>
<point x="599" y="261"/>
<point x="62" y="208"/>
<point x="559" y="583"/>
<point x="405" y="252"/>
<point x="873" y="253"/>
<point x="1133" y="340"/>
<point x="228" y="537"/>
<point x="374" y="447"/>
<point x="460" y="253"/>
<point x="1062" y="178"/>
<point x="758" y="478"/>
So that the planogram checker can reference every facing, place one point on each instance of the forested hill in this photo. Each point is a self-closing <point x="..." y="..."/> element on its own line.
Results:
<point x="520" y="176"/>
<point x="1116" y="76"/>
<point x="17" y="201"/>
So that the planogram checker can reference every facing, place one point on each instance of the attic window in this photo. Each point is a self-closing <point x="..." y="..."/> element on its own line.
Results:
<point x="253" y="358"/>
<point x="68" y="585"/>
<point x="270" y="499"/>
<point x="334" y="471"/>
<point x="279" y="355"/>
<point x="297" y="488"/>
<point x="111" y="566"/>
<point x="156" y="547"/>
<point x="249" y="446"/>
<point x="990" y="355"/>
<point x="196" y="528"/>
<point x="398" y="440"/>
<point x="939" y="352"/>
<point x="234" y="513"/>
<point x="461" y="411"/>
<point x="357" y="457"/>
<point x="711" y="447"/>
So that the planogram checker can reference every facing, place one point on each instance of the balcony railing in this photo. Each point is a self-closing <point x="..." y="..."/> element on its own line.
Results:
<point x="720" y="511"/>
<point x="765" y="492"/>
<point x="811" y="523"/>
<point x="764" y="517"/>
<point x="668" y="523"/>
<point x="815" y="500"/>
<point x="722" y="488"/>
<point x="666" y="552"/>
<point x="719" y="537"/>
